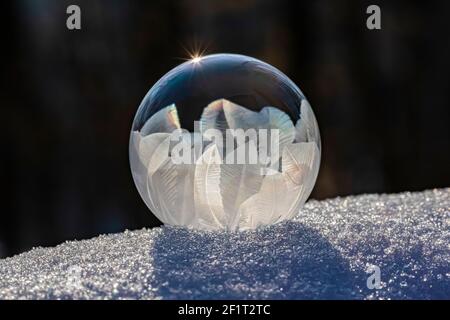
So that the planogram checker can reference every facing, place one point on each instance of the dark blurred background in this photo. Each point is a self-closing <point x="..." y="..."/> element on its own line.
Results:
<point x="68" y="98"/>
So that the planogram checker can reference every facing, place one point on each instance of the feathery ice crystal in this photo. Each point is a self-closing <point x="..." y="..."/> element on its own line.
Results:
<point x="222" y="165"/>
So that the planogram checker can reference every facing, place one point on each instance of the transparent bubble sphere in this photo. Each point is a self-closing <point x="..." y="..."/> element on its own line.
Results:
<point x="227" y="142"/>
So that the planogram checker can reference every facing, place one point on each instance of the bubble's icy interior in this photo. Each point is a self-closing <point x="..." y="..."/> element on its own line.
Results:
<point x="207" y="194"/>
<point x="224" y="93"/>
<point x="323" y="253"/>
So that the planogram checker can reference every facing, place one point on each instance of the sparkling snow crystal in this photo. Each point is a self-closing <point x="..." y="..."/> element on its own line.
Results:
<point x="325" y="252"/>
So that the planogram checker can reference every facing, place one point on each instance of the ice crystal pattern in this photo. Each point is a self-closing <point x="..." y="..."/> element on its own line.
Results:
<point x="209" y="192"/>
<point x="323" y="253"/>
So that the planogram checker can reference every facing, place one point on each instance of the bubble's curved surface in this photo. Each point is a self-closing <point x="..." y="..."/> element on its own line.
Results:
<point x="224" y="142"/>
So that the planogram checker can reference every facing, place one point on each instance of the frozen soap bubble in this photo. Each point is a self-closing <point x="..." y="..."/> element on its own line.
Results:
<point x="224" y="142"/>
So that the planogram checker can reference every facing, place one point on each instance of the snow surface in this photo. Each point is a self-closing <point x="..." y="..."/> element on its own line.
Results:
<point x="323" y="253"/>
